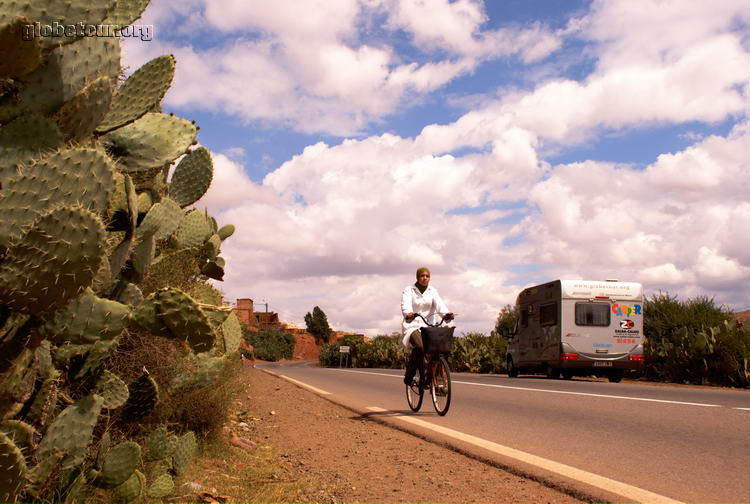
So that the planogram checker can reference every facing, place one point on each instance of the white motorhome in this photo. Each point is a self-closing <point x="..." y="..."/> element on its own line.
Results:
<point x="578" y="327"/>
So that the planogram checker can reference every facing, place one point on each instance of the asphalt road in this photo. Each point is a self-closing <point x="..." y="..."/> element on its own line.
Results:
<point x="640" y="441"/>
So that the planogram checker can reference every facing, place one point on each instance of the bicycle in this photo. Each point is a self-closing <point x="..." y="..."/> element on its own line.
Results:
<point x="437" y="373"/>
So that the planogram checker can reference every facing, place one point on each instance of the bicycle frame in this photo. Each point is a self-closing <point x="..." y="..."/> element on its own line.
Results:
<point x="434" y="375"/>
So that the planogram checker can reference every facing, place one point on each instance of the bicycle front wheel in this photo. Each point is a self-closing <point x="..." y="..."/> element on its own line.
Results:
<point x="415" y="393"/>
<point x="441" y="386"/>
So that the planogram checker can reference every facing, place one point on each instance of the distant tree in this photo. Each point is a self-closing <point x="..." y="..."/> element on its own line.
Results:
<point x="506" y="319"/>
<point x="317" y="325"/>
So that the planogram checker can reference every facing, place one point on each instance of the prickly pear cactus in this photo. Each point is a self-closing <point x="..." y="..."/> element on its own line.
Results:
<point x="87" y="212"/>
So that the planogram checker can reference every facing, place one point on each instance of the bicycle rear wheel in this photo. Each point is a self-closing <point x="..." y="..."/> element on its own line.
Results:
<point x="441" y="386"/>
<point x="415" y="393"/>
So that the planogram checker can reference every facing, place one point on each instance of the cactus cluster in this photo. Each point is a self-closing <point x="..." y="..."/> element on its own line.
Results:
<point x="87" y="210"/>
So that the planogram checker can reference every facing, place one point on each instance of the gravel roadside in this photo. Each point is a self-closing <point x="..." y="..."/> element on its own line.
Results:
<point x="362" y="461"/>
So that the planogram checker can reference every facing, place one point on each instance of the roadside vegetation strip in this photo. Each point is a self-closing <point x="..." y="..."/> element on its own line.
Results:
<point x="531" y="389"/>
<point x="613" y="486"/>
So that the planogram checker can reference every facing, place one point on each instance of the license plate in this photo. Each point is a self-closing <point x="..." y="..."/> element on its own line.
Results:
<point x="602" y="364"/>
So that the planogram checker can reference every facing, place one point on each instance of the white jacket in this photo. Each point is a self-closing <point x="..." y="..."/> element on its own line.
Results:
<point x="428" y="304"/>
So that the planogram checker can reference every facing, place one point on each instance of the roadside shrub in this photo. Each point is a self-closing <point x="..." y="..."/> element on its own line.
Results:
<point x="272" y="345"/>
<point x="383" y="352"/>
<point x="477" y="353"/>
<point x="694" y="341"/>
<point x="329" y="353"/>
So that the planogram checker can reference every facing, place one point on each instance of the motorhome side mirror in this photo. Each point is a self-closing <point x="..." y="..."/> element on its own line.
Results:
<point x="505" y="333"/>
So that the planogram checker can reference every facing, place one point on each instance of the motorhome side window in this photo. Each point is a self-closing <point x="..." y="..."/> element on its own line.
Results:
<point x="548" y="314"/>
<point x="592" y="314"/>
<point x="525" y="317"/>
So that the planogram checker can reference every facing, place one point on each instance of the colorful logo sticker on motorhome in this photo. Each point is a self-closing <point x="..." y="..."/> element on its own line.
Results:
<point x="627" y="324"/>
<point x="622" y="310"/>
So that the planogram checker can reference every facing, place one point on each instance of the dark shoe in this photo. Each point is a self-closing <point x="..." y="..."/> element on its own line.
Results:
<point x="408" y="381"/>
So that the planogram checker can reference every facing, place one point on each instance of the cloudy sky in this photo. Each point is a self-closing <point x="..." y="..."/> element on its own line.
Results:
<point x="500" y="143"/>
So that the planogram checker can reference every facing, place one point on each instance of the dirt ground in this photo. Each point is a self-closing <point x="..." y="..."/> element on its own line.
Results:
<point x="338" y="456"/>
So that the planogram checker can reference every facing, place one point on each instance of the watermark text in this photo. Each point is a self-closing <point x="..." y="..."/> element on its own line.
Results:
<point x="36" y="30"/>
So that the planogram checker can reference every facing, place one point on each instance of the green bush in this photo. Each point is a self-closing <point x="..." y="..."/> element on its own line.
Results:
<point x="477" y="353"/>
<point x="329" y="353"/>
<point x="694" y="341"/>
<point x="383" y="352"/>
<point x="272" y="345"/>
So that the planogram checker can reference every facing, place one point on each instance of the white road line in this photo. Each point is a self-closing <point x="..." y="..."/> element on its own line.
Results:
<point x="305" y="385"/>
<point x="743" y="409"/>
<point x="610" y="485"/>
<point x="555" y="391"/>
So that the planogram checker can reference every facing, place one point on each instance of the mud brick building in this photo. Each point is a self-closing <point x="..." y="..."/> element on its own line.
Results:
<point x="255" y="320"/>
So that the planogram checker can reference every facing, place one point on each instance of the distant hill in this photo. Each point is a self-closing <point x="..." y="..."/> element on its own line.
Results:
<point x="744" y="317"/>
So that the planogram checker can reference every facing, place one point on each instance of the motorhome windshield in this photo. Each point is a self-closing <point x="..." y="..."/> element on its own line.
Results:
<point x="592" y="314"/>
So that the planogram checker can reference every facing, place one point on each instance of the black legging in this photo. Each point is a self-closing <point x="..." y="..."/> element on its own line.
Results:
<point x="416" y="359"/>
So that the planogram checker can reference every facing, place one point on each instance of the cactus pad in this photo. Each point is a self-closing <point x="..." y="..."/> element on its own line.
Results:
<point x="102" y="282"/>
<point x="79" y="116"/>
<point x="194" y="230"/>
<point x="17" y="382"/>
<point x="184" y="453"/>
<point x="131" y="295"/>
<point x="140" y="92"/>
<point x="159" y="444"/>
<point x="205" y="369"/>
<point x="185" y="319"/>
<point x="43" y="406"/>
<point x="161" y="487"/>
<point x="122" y="211"/>
<point x="145" y="202"/>
<point x="144" y="394"/>
<point x="72" y="430"/>
<point x="66" y="71"/>
<point x="216" y="315"/>
<point x="87" y="319"/>
<point x="95" y="357"/>
<point x="146" y="316"/>
<point x="143" y="254"/>
<point x="112" y="389"/>
<point x="204" y="292"/>
<point x="232" y="332"/>
<point x="105" y="443"/>
<point x="151" y="142"/>
<point x="119" y="465"/>
<point x="43" y="272"/>
<point x="74" y="177"/>
<point x="24" y="139"/>
<point x="126" y="12"/>
<point x="19" y="56"/>
<point x="133" y="489"/>
<point x="161" y="220"/>
<point x="192" y="177"/>
<point x="120" y="256"/>
<point x="226" y="231"/>
<point x="12" y="469"/>
<point x="22" y="434"/>
<point x="66" y="13"/>
<point x="40" y="477"/>
<point x="212" y="247"/>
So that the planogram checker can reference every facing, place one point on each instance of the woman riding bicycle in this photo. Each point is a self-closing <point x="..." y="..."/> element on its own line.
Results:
<point x="419" y="299"/>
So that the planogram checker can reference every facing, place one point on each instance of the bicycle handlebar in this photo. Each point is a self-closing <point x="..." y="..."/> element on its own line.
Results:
<point x="442" y="319"/>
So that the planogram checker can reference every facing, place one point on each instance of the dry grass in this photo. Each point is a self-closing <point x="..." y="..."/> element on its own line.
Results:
<point x="259" y="475"/>
<point x="203" y="410"/>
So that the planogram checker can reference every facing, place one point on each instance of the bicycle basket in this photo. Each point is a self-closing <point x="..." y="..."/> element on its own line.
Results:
<point x="437" y="340"/>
